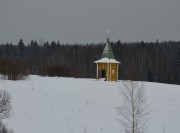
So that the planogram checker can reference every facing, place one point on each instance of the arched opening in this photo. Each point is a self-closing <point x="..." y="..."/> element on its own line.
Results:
<point x="103" y="74"/>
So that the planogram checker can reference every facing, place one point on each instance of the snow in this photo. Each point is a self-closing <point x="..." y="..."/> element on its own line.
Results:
<point x="71" y="105"/>
<point x="107" y="60"/>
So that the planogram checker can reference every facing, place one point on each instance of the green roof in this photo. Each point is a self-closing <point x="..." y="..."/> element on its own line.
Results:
<point x="107" y="52"/>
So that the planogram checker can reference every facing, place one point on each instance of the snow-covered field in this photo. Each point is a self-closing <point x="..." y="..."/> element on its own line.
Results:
<point x="70" y="105"/>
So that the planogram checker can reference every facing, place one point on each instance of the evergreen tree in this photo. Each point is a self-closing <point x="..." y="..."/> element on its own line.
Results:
<point x="21" y="49"/>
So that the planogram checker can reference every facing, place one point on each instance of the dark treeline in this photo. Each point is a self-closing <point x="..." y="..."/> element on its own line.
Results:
<point x="154" y="61"/>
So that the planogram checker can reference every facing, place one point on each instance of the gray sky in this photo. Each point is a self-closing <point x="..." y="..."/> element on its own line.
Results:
<point x="86" y="21"/>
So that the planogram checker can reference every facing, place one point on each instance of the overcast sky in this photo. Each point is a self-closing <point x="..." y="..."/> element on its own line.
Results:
<point x="87" y="21"/>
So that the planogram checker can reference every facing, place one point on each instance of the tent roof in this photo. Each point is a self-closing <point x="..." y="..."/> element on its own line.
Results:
<point x="107" y="52"/>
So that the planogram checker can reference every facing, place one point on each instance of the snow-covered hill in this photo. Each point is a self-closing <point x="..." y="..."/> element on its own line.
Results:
<point x="70" y="105"/>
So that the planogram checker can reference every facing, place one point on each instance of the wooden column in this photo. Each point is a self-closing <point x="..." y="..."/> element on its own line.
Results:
<point x="97" y="70"/>
<point x="107" y="72"/>
<point x="117" y="72"/>
<point x="110" y="72"/>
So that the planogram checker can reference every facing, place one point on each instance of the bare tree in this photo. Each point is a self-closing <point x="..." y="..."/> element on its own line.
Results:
<point x="5" y="108"/>
<point x="5" y="105"/>
<point x="14" y="70"/>
<point x="4" y="129"/>
<point x="133" y="111"/>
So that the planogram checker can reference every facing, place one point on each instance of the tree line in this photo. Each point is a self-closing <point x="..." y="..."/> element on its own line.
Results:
<point x="147" y="61"/>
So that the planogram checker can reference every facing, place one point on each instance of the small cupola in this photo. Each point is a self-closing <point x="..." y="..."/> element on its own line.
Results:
<point x="107" y="66"/>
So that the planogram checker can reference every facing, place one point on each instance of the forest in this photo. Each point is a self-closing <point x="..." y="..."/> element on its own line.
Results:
<point x="140" y="61"/>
